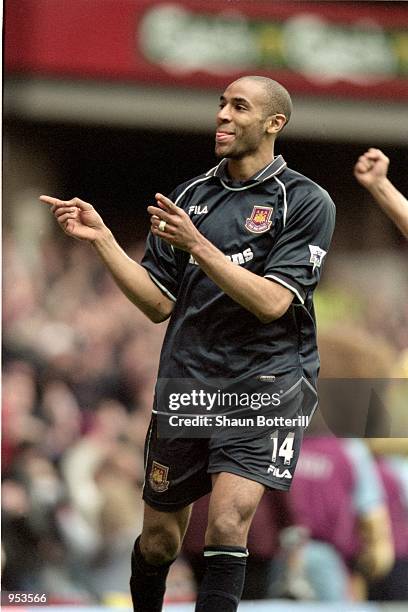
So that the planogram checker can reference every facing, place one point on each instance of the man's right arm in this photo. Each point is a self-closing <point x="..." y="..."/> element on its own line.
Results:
<point x="80" y="220"/>
<point x="132" y="279"/>
<point x="371" y="172"/>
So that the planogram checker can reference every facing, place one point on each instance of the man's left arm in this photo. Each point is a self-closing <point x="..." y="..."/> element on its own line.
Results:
<point x="266" y="299"/>
<point x="291" y="269"/>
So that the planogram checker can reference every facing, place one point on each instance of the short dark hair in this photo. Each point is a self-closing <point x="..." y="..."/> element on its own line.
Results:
<point x="277" y="98"/>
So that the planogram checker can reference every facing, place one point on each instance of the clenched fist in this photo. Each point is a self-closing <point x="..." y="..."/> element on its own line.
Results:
<point x="371" y="168"/>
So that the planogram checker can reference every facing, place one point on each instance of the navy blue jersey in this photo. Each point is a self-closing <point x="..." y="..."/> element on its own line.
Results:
<point x="278" y="225"/>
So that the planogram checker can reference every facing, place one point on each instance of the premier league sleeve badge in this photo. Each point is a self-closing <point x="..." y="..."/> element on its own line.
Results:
<point x="316" y="256"/>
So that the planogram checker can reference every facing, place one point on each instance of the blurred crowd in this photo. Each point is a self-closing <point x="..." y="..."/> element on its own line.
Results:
<point x="79" y="367"/>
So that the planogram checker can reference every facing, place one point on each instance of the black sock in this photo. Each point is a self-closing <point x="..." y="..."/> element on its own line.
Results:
<point x="147" y="582"/>
<point x="223" y="582"/>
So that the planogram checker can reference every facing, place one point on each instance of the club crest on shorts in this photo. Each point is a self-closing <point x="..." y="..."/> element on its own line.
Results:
<point x="158" y="477"/>
<point x="260" y="219"/>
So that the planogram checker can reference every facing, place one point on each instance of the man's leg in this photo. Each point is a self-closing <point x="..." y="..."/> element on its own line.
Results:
<point x="233" y="503"/>
<point x="153" y="553"/>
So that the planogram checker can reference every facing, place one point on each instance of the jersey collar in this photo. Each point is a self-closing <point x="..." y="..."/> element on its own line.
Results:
<point x="276" y="166"/>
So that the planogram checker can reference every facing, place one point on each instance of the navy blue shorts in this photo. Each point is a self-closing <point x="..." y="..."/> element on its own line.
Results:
<point x="178" y="469"/>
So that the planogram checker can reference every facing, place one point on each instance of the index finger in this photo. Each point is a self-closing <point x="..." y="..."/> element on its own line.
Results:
<point x="161" y="199"/>
<point x="50" y="200"/>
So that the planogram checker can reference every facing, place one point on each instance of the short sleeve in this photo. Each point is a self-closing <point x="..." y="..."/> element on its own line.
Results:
<point x="296" y="258"/>
<point x="160" y="262"/>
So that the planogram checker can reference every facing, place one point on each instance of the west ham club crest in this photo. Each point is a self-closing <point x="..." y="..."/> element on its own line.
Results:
<point x="158" y="477"/>
<point x="260" y="219"/>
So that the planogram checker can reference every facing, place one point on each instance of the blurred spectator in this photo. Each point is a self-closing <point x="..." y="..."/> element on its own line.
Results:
<point x="393" y="469"/>
<point x="20" y="424"/>
<point x="20" y="543"/>
<point x="337" y="494"/>
<point x="63" y="416"/>
<point x="63" y="348"/>
<point x="36" y="558"/>
<point x="78" y="376"/>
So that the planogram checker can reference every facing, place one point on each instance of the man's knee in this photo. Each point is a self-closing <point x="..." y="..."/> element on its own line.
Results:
<point x="160" y="544"/>
<point x="234" y="500"/>
<point x="228" y="528"/>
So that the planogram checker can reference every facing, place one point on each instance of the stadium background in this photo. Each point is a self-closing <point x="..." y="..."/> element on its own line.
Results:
<point x="112" y="101"/>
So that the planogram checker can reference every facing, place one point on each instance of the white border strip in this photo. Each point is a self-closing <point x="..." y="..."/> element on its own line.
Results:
<point x="213" y="171"/>
<point x="296" y="384"/>
<point x="214" y="553"/>
<point x="311" y="387"/>
<point x="275" y="172"/>
<point x="266" y="167"/>
<point x="162" y="287"/>
<point x="285" y="203"/>
<point x="263" y="180"/>
<point x="147" y="455"/>
<point x="205" y="178"/>
<point x="285" y="284"/>
<point x="309" y="384"/>
<point x="237" y="188"/>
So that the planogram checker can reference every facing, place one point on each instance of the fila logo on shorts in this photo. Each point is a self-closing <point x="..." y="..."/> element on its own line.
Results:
<point x="275" y="471"/>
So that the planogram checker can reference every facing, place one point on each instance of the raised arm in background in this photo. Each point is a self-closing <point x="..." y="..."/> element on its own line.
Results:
<point x="371" y="172"/>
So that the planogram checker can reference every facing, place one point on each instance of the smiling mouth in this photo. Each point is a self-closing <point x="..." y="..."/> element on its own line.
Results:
<point x="224" y="137"/>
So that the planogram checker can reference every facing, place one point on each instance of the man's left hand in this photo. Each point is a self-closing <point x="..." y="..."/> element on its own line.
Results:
<point x="178" y="230"/>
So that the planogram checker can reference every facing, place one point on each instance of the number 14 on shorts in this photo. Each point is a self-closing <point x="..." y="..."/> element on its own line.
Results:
<point x="285" y="450"/>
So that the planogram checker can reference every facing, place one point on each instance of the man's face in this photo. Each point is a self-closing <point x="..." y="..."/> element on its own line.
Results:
<point x="240" y="120"/>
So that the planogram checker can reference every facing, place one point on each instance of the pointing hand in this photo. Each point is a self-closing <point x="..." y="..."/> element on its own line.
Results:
<point x="76" y="217"/>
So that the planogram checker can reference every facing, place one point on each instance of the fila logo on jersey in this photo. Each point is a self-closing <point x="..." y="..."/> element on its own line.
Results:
<point x="198" y="210"/>
<point x="316" y="256"/>
<point x="236" y="258"/>
<point x="275" y="471"/>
